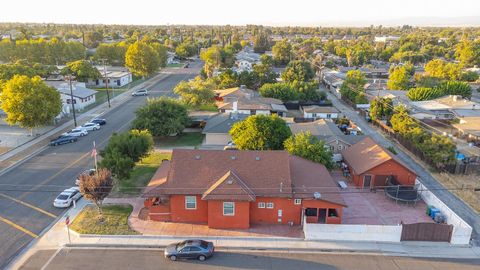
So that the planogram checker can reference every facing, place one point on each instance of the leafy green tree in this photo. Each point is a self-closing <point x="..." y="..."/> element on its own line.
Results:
<point x="261" y="42"/>
<point x="352" y="88"/>
<point x="196" y="92"/>
<point x="299" y="71"/>
<point x="307" y="91"/>
<point x="92" y="39"/>
<point x="281" y="52"/>
<point x="438" y="68"/>
<point x="263" y="73"/>
<point x="456" y="88"/>
<point x="468" y="53"/>
<point x="381" y="108"/>
<point x="29" y="102"/>
<point x="260" y="132"/>
<point x="162" y="117"/>
<point x="124" y="150"/>
<point x="469" y="76"/>
<point x="141" y="59"/>
<point x="186" y="49"/>
<point x="82" y="70"/>
<point x="399" y="78"/>
<point x="307" y="146"/>
<point x="113" y="53"/>
<point x="423" y="93"/>
<point x="280" y="91"/>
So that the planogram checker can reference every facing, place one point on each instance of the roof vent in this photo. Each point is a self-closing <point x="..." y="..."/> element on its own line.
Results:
<point x="229" y="182"/>
<point x="257" y="158"/>
<point x="197" y="157"/>
<point x="233" y="157"/>
<point x="317" y="195"/>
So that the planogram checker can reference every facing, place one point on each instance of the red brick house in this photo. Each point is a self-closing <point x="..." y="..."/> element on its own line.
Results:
<point x="370" y="165"/>
<point x="234" y="189"/>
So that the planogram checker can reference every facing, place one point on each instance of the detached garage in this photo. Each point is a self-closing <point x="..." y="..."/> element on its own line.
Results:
<point x="370" y="165"/>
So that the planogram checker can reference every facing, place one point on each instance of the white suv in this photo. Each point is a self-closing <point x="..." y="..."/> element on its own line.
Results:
<point x="77" y="132"/>
<point x="90" y="126"/>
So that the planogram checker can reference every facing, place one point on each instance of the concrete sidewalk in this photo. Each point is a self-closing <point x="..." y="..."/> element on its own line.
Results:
<point x="19" y="154"/>
<point x="57" y="237"/>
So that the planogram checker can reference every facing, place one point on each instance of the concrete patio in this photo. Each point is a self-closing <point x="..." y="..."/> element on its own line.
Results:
<point x="374" y="208"/>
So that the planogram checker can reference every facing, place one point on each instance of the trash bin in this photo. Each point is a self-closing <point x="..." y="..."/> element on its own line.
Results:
<point x="434" y="211"/>
<point x="429" y="209"/>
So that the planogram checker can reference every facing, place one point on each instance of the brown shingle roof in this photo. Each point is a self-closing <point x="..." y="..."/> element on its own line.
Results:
<point x="366" y="155"/>
<point x="253" y="173"/>
<point x="308" y="177"/>
<point x="230" y="186"/>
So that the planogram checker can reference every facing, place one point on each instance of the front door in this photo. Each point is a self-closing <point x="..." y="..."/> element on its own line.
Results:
<point x="322" y="216"/>
<point x="367" y="180"/>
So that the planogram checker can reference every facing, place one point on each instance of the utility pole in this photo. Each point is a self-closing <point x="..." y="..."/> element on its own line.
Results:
<point x="106" y="80"/>
<point x="72" y="100"/>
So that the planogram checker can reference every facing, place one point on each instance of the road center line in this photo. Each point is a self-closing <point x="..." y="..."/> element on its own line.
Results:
<point x="28" y="205"/>
<point x="18" y="227"/>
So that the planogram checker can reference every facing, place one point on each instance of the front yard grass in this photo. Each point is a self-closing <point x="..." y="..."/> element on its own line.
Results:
<point x="185" y="139"/>
<point x="141" y="174"/>
<point x="115" y="220"/>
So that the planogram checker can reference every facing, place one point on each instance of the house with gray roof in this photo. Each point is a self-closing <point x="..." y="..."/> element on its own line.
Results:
<point x="82" y="96"/>
<point x="217" y="128"/>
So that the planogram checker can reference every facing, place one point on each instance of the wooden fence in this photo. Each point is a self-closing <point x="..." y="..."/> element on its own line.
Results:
<point x="427" y="232"/>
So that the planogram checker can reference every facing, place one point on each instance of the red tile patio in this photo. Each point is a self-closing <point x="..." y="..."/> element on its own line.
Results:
<point x="374" y="208"/>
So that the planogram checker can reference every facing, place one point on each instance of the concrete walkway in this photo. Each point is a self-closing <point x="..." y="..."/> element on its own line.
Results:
<point x="457" y="205"/>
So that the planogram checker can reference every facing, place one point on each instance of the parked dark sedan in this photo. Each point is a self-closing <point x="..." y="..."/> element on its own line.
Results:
<point x="190" y="249"/>
<point x="63" y="140"/>
<point x="99" y="121"/>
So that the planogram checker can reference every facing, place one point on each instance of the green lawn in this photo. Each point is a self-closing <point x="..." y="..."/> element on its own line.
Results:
<point x="115" y="220"/>
<point x="184" y="139"/>
<point x="141" y="174"/>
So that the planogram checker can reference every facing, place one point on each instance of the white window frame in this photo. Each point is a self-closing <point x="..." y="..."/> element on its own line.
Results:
<point x="233" y="209"/>
<point x="187" y="202"/>
<point x="270" y="205"/>
<point x="261" y="205"/>
<point x="297" y="201"/>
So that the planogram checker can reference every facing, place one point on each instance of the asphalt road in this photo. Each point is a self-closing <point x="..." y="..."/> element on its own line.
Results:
<point x="116" y="259"/>
<point x="27" y="192"/>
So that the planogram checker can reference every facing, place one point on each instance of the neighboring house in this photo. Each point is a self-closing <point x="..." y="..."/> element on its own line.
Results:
<point x="319" y="112"/>
<point x="82" y="96"/>
<point x="442" y="108"/>
<point x="245" y="101"/>
<point x="217" y="128"/>
<point x="115" y="79"/>
<point x="235" y="189"/>
<point x="327" y="131"/>
<point x="332" y="80"/>
<point x="386" y="39"/>
<point x="370" y="165"/>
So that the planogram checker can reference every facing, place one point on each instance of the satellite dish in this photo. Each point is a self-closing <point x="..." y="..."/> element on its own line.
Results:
<point x="317" y="195"/>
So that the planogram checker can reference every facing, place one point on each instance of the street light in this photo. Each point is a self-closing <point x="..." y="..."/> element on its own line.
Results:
<point x="72" y="100"/>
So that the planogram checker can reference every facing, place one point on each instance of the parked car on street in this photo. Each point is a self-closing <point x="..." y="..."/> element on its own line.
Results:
<point x="63" y="140"/>
<point x="99" y="121"/>
<point x="89" y="172"/>
<point x="67" y="197"/>
<point x="141" y="92"/>
<point x="90" y="126"/>
<point x="190" y="249"/>
<point x="76" y="132"/>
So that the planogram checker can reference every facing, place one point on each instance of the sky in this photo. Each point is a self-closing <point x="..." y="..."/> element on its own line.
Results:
<point x="266" y="12"/>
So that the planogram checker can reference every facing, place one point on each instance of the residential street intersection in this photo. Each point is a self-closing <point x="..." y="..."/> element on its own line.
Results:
<point x="28" y="190"/>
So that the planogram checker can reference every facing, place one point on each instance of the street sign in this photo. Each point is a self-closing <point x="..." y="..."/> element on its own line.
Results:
<point x="67" y="220"/>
